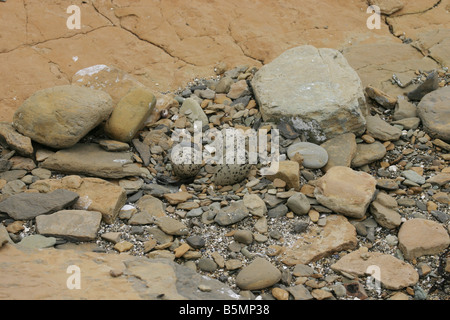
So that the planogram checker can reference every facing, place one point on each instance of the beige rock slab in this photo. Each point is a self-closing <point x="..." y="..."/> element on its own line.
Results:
<point x="337" y="235"/>
<point x="393" y="273"/>
<point x="95" y="194"/>
<point x="418" y="237"/>
<point x="346" y="191"/>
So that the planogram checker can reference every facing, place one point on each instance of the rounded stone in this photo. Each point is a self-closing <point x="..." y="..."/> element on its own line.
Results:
<point x="258" y="275"/>
<point x="207" y="265"/>
<point x="243" y="236"/>
<point x="314" y="156"/>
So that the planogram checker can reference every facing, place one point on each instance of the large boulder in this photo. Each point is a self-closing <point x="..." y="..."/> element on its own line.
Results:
<point x="315" y="88"/>
<point x="59" y="117"/>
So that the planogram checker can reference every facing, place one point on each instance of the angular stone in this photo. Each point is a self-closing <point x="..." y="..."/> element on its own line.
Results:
<point x="393" y="273"/>
<point x="404" y="109"/>
<point x="346" y="191"/>
<point x="26" y="206"/>
<point x="95" y="194"/>
<point x="418" y="237"/>
<point x="232" y="214"/>
<point x="368" y="153"/>
<point x="337" y="235"/>
<point x="172" y="226"/>
<point x="429" y="85"/>
<point x="152" y="205"/>
<point x="381" y="130"/>
<point x="192" y="110"/>
<point x="341" y="150"/>
<point x="434" y="112"/>
<point x="113" y="145"/>
<point x="4" y="236"/>
<point x="15" y="140"/>
<point x="255" y="205"/>
<point x="381" y="98"/>
<point x="288" y="171"/>
<point x="78" y="225"/>
<point x="178" y="197"/>
<point x="91" y="159"/>
<point x="295" y="84"/>
<point x="59" y="117"/>
<point x="130" y="114"/>
<point x="408" y="123"/>
<point x="258" y="275"/>
<point x="440" y="179"/>
<point x="384" y="216"/>
<point x="300" y="292"/>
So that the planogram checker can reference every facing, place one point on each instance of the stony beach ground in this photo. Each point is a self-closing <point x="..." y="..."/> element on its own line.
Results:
<point x="358" y="209"/>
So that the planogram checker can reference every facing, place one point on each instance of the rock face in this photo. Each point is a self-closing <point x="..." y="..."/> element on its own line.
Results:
<point x="259" y="274"/>
<point x="91" y="159"/>
<point x="95" y="194"/>
<point x="346" y="191"/>
<point x="316" y="85"/>
<point x="338" y="234"/>
<point x="148" y="278"/>
<point x="78" y="225"/>
<point x="394" y="274"/>
<point x="26" y="206"/>
<point x="129" y="116"/>
<point x="418" y="237"/>
<point x="434" y="111"/>
<point x="59" y="117"/>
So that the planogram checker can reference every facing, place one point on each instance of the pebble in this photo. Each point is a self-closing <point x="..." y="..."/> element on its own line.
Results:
<point x="314" y="156"/>
<point x="207" y="265"/>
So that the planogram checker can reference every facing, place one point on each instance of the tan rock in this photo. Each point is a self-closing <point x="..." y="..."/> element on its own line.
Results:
<point x="259" y="274"/>
<point x="181" y="250"/>
<point x="393" y="273"/>
<point x="341" y="150"/>
<point x="130" y="114"/>
<point x="15" y="140"/>
<point x="320" y="294"/>
<point x="418" y="237"/>
<point x="95" y="194"/>
<point x="59" y="117"/>
<point x="280" y="294"/>
<point x="123" y="246"/>
<point x="337" y="235"/>
<point x="288" y="171"/>
<point x="178" y="197"/>
<point x="345" y="191"/>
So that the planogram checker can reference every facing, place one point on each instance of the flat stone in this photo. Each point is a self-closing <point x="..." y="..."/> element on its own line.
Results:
<point x="430" y="84"/>
<point x="123" y="246"/>
<point x="346" y="191"/>
<point x="337" y="235"/>
<point x="385" y="216"/>
<point x="341" y="150"/>
<point x="413" y="176"/>
<point x="196" y="242"/>
<point x="78" y="225"/>
<point x="95" y="194"/>
<point x="59" y="117"/>
<point x="408" y="123"/>
<point x="314" y="156"/>
<point x="232" y="214"/>
<point x="368" y="153"/>
<point x="171" y="226"/>
<point x="404" y="110"/>
<point x="255" y="205"/>
<point x="15" y="140"/>
<point x="258" y="275"/>
<point x="37" y="241"/>
<point x="300" y="292"/>
<point x="434" y="112"/>
<point x="114" y="145"/>
<point x="178" y="197"/>
<point x="294" y="84"/>
<point x="418" y="237"/>
<point x="243" y="236"/>
<point x="92" y="160"/>
<point x="278" y="211"/>
<point x="381" y="130"/>
<point x="207" y="265"/>
<point x="440" y="179"/>
<point x="26" y="206"/>
<point x="393" y="274"/>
